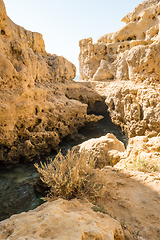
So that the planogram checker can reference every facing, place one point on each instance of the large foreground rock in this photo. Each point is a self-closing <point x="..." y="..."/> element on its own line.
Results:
<point x="36" y="108"/>
<point x="61" y="220"/>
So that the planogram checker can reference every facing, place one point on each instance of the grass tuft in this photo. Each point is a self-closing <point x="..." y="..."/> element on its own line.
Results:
<point x="143" y="165"/>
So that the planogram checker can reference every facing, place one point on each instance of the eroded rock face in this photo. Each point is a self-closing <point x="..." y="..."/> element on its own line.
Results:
<point x="61" y="220"/>
<point x="35" y="112"/>
<point x="130" y="57"/>
<point x="136" y="108"/>
<point x="131" y="53"/>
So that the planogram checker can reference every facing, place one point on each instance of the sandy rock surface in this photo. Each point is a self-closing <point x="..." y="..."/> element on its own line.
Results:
<point x="133" y="198"/>
<point x="105" y="150"/>
<point x="141" y="152"/>
<point x="61" y="220"/>
<point x="134" y="107"/>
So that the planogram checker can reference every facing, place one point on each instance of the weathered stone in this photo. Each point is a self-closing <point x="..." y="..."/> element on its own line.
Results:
<point x="35" y="112"/>
<point x="129" y="56"/>
<point x="105" y="150"/>
<point x="131" y="53"/>
<point x="135" y="108"/>
<point x="61" y="219"/>
<point x="141" y="150"/>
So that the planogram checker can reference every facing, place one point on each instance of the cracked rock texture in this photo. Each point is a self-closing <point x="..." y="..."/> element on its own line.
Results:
<point x="136" y="108"/>
<point x="35" y="112"/>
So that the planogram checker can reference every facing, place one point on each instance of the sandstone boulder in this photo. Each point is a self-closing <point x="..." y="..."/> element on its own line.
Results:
<point x="61" y="219"/>
<point x="136" y="108"/>
<point x="105" y="150"/>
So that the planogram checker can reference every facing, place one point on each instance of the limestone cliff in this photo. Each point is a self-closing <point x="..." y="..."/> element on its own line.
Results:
<point x="35" y="112"/>
<point x="131" y="53"/>
<point x="128" y="62"/>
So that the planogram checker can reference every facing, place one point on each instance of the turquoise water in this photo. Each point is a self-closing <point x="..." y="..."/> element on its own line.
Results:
<point x="17" y="192"/>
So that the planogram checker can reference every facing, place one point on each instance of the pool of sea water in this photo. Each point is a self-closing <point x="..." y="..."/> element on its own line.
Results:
<point x="17" y="192"/>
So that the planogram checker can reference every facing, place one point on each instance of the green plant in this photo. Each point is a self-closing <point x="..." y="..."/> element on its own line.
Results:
<point x="123" y="224"/>
<point x="100" y="208"/>
<point x="144" y="165"/>
<point x="137" y="233"/>
<point x="72" y="176"/>
<point x="125" y="164"/>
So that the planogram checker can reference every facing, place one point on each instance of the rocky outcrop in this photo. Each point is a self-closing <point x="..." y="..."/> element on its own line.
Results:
<point x="141" y="152"/>
<point x="128" y="62"/>
<point x="35" y="111"/>
<point x="61" y="220"/>
<point x="136" y="108"/>
<point x="105" y="150"/>
<point x="131" y="53"/>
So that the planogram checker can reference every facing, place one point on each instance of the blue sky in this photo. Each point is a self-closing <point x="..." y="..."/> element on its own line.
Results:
<point x="64" y="22"/>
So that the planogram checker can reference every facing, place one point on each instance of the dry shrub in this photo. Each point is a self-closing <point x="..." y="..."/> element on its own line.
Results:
<point x="72" y="176"/>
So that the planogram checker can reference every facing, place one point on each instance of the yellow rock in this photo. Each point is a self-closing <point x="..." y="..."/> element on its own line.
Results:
<point x="61" y="220"/>
<point x="139" y="39"/>
<point x="35" y="112"/>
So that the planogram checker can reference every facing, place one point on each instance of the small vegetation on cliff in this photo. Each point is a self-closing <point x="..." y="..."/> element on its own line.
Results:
<point x="72" y="176"/>
<point x="143" y="165"/>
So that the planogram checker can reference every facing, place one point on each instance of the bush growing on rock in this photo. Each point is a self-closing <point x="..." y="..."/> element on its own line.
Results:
<point x="72" y="176"/>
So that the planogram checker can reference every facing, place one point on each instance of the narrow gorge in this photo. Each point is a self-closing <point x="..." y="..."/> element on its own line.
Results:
<point x="41" y="107"/>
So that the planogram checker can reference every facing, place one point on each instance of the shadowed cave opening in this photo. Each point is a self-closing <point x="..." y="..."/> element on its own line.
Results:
<point x="99" y="107"/>
<point x="104" y="125"/>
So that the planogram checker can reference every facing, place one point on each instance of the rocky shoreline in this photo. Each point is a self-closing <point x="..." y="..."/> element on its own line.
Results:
<point x="40" y="105"/>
